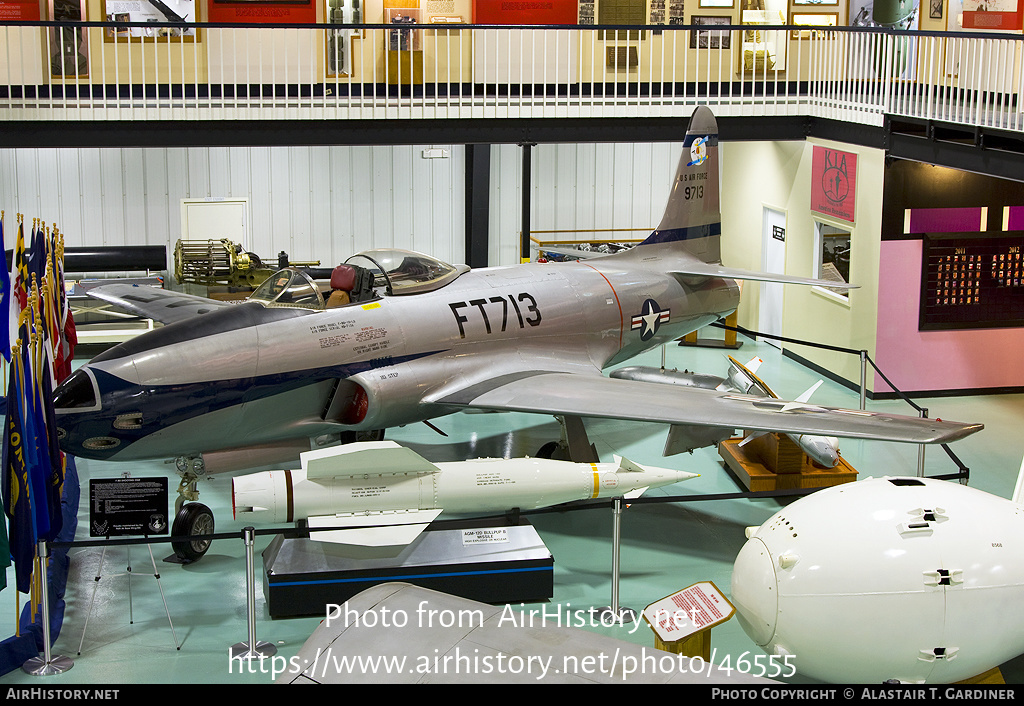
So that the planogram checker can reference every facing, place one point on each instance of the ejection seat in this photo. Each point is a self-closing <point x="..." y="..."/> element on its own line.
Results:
<point x="350" y="283"/>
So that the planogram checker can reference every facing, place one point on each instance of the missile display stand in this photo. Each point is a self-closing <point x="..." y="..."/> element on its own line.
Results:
<point x="774" y="462"/>
<point x="729" y="341"/>
<point x="485" y="561"/>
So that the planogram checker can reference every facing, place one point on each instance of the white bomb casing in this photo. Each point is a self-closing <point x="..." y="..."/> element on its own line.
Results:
<point x="381" y="483"/>
<point x="913" y="579"/>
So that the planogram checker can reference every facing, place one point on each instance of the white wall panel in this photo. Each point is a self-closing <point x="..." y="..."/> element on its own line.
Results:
<point x="316" y="203"/>
<point x="325" y="203"/>
<point x="585" y="187"/>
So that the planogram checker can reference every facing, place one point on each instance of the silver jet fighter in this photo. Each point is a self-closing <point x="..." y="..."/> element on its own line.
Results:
<point x="252" y="384"/>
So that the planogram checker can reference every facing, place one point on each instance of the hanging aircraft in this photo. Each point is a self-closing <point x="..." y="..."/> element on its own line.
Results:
<point x="245" y="386"/>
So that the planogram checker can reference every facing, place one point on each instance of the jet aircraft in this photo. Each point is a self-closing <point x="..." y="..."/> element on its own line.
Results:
<point x="244" y="386"/>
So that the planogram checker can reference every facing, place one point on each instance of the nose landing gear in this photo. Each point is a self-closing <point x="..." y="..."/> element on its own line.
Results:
<point x="192" y="520"/>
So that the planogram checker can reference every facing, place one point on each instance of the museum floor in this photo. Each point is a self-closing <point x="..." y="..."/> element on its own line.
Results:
<point x="665" y="547"/>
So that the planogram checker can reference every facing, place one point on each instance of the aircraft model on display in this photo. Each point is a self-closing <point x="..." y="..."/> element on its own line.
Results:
<point x="252" y="385"/>
<point x="743" y="379"/>
<point x="916" y="579"/>
<point x="407" y="492"/>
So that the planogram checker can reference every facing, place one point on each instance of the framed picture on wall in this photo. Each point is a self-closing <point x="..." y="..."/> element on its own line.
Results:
<point x="68" y="50"/>
<point x="716" y="3"/>
<point x="812" y="20"/>
<point x="935" y="9"/>
<point x="149" y="12"/>
<point x="710" y="38"/>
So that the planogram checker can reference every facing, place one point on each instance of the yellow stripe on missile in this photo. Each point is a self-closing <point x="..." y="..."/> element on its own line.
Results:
<point x="597" y="482"/>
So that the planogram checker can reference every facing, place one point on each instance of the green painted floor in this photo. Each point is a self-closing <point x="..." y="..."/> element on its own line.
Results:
<point x="665" y="547"/>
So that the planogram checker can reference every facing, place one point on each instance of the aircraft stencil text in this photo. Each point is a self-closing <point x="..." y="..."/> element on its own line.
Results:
<point x="524" y="306"/>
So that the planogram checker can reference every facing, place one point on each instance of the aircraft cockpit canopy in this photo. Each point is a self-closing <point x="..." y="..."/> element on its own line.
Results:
<point x="289" y="287"/>
<point x="406" y="272"/>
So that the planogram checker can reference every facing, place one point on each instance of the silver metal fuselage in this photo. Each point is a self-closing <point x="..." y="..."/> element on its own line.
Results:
<point x="250" y="375"/>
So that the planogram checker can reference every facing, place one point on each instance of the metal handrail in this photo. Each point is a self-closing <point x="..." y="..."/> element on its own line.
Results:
<point x="239" y="71"/>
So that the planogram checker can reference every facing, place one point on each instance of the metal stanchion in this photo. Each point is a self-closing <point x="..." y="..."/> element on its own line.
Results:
<point x="920" y="450"/>
<point x="863" y="379"/>
<point x="251" y="649"/>
<point x="615" y="613"/>
<point x="47" y="664"/>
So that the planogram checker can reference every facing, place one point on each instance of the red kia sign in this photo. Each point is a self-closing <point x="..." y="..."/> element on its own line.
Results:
<point x="834" y="183"/>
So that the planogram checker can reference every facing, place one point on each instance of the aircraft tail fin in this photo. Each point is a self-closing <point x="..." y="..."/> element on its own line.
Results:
<point x="693" y="216"/>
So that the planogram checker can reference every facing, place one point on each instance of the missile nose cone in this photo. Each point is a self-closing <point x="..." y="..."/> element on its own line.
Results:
<point x="823" y="450"/>
<point x="755" y="591"/>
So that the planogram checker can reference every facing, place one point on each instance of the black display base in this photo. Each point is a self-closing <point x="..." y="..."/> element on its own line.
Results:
<point x="480" y="561"/>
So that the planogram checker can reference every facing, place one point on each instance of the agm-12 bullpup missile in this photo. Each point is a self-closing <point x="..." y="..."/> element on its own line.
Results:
<point x="378" y="493"/>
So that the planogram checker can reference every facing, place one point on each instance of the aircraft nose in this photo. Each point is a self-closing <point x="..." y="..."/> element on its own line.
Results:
<point x="77" y="393"/>
<point x="81" y="431"/>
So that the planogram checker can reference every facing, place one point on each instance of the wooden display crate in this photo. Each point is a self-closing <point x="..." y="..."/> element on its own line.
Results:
<point x="770" y="463"/>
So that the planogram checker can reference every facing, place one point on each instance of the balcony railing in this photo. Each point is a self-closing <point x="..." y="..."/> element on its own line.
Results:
<point x="175" y="71"/>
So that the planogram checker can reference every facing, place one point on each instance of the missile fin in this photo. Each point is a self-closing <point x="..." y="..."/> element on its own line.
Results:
<point x="1018" y="489"/>
<point x="807" y="395"/>
<point x="358" y="458"/>
<point x="626" y="466"/>
<point x="634" y="494"/>
<point x="384" y="528"/>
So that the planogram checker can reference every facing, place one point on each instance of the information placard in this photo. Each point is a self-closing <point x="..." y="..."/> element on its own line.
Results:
<point x="120" y="507"/>
<point x="687" y="612"/>
<point x="972" y="281"/>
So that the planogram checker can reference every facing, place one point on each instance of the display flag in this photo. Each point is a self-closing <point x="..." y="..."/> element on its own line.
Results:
<point x="15" y="486"/>
<point x="16" y="280"/>
<point x="5" y="296"/>
<point x="37" y="448"/>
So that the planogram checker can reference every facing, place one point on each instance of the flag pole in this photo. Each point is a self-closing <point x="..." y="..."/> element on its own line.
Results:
<point x="47" y="664"/>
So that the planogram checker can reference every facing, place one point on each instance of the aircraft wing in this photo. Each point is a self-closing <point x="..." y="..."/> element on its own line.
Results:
<point x="582" y="395"/>
<point x="154" y="303"/>
<point x="700" y="269"/>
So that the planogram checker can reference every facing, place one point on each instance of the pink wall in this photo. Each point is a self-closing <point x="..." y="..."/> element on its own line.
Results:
<point x="934" y="360"/>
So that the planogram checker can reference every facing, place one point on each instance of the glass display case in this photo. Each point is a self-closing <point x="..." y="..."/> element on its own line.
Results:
<point x="763" y="49"/>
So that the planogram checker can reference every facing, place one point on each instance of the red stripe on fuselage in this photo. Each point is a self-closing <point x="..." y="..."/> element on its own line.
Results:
<point x="617" y="302"/>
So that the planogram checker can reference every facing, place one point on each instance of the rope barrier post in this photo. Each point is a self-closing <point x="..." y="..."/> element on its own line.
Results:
<point x="251" y="649"/>
<point x="863" y="379"/>
<point x="47" y="664"/>
<point x="920" y="449"/>
<point x="614" y="613"/>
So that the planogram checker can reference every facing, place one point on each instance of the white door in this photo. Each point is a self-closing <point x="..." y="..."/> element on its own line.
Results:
<point x="773" y="259"/>
<point x="214" y="219"/>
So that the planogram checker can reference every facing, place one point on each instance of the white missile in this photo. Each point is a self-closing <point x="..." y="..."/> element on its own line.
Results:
<point x="741" y="378"/>
<point x="912" y="579"/>
<point x="379" y="493"/>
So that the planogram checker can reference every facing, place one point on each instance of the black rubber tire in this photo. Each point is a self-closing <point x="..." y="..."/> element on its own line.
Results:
<point x="192" y="520"/>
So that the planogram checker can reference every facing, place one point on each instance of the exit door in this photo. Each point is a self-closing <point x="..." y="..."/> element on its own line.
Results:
<point x="773" y="259"/>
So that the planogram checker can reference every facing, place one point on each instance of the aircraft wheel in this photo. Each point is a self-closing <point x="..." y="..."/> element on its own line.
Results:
<point x="192" y="520"/>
